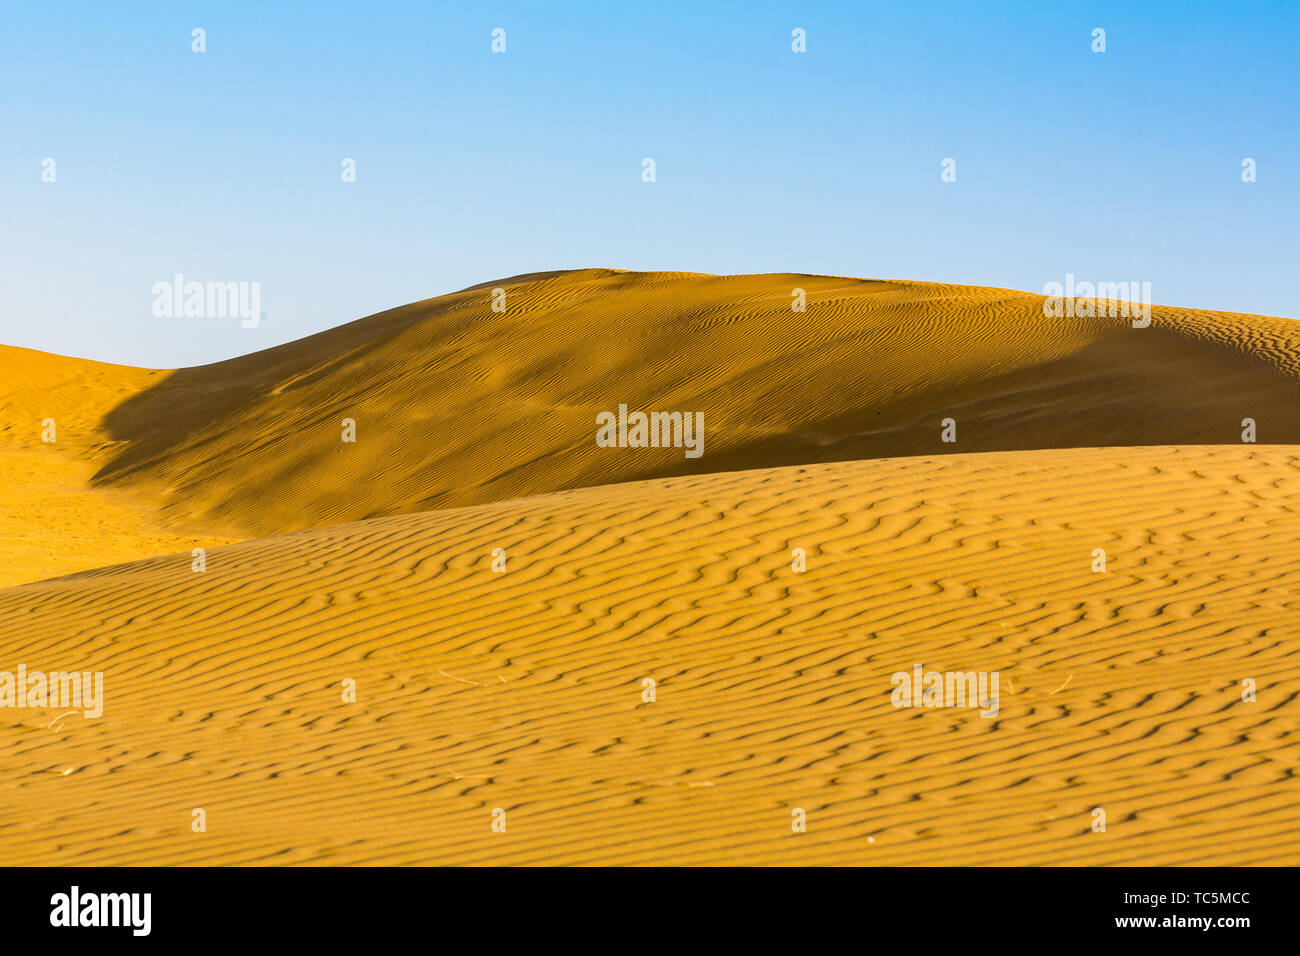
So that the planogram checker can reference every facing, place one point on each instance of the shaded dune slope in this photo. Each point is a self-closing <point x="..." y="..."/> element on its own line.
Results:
<point x="522" y="690"/>
<point x="456" y="404"/>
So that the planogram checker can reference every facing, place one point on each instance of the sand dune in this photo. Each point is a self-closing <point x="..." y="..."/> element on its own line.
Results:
<point x="54" y="518"/>
<point x="372" y="561"/>
<point x="522" y="690"/>
<point x="456" y="404"/>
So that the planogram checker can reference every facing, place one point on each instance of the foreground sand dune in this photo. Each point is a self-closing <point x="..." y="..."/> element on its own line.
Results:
<point x="522" y="690"/>
<point x="456" y="404"/>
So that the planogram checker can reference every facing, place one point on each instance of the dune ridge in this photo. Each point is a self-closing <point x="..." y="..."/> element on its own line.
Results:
<point x="456" y="404"/>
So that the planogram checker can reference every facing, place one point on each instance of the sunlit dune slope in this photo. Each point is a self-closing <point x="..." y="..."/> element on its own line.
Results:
<point x="457" y="404"/>
<point x="522" y="690"/>
<point x="76" y="393"/>
<point x="52" y="521"/>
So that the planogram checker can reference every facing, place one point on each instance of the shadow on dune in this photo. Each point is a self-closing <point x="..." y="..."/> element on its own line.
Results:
<point x="1172" y="391"/>
<point x="251" y="445"/>
<point x="157" y="421"/>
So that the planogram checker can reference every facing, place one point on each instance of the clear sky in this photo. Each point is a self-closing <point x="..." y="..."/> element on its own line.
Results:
<point x="473" y="165"/>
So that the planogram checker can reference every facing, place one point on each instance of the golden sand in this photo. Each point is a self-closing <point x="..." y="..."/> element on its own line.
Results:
<point x="455" y="404"/>
<point x="522" y="690"/>
<point x="54" y="518"/>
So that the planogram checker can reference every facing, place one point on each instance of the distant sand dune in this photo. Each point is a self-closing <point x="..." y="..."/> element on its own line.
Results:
<point x="458" y="405"/>
<point x="52" y="519"/>
<point x="522" y="690"/>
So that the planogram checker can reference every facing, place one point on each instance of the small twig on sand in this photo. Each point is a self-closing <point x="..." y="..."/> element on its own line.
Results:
<point x="1062" y="687"/>
<point x="461" y="679"/>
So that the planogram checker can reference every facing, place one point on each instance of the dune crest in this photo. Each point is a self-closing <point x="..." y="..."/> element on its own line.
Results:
<point x="455" y="404"/>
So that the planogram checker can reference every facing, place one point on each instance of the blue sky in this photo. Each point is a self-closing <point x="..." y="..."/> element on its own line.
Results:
<point x="471" y="166"/>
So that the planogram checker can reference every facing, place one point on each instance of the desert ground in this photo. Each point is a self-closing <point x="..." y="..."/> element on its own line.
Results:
<point x="496" y="590"/>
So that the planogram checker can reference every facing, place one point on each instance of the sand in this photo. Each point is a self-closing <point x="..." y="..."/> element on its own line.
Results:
<point x="522" y="690"/>
<point x="54" y="517"/>
<point x="457" y="405"/>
